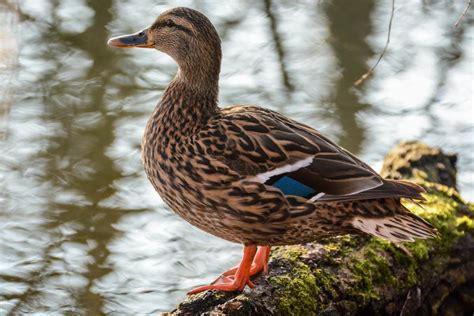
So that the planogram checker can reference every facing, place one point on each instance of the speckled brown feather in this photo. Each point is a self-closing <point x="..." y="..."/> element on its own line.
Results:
<point x="205" y="161"/>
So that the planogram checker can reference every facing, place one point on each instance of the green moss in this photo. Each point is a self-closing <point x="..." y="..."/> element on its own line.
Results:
<point x="465" y="223"/>
<point x="291" y="253"/>
<point x="325" y="279"/>
<point x="412" y="276"/>
<point x="370" y="270"/>
<point x="298" y="290"/>
<point x="443" y="210"/>
<point x="333" y="247"/>
<point x="297" y="297"/>
<point x="336" y="249"/>
<point x="341" y="244"/>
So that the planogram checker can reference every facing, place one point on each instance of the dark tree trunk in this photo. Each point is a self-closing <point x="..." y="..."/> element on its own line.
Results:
<point x="361" y="275"/>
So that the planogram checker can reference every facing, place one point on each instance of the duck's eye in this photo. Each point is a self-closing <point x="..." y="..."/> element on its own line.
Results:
<point x="169" y="23"/>
<point x="141" y="34"/>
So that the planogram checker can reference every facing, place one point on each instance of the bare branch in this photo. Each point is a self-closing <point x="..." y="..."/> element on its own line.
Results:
<point x="371" y="70"/>
<point x="463" y="14"/>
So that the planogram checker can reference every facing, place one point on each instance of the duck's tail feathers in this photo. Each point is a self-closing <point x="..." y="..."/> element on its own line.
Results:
<point x="408" y="189"/>
<point x="396" y="227"/>
<point x="389" y="189"/>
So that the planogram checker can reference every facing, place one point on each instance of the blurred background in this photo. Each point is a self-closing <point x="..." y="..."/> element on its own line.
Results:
<point x="81" y="229"/>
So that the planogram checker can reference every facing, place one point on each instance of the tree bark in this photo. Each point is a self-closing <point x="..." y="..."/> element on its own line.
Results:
<point x="361" y="275"/>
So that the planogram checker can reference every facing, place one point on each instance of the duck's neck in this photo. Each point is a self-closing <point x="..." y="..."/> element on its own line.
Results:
<point x="186" y="105"/>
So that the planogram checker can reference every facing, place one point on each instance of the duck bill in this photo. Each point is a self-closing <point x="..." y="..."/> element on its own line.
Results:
<point x="139" y="39"/>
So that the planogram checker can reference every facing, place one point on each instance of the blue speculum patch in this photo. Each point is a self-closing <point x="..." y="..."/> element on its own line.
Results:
<point x="290" y="186"/>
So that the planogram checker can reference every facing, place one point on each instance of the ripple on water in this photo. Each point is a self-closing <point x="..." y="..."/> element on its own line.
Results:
<point x="81" y="229"/>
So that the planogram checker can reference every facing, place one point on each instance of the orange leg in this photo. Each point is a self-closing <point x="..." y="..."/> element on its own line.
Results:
<point x="239" y="280"/>
<point x="259" y="264"/>
<point x="261" y="260"/>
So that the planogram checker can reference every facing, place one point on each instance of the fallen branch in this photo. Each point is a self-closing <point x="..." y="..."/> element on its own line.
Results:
<point x="351" y="275"/>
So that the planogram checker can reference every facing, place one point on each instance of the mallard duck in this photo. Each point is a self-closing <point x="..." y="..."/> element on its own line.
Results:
<point x="251" y="175"/>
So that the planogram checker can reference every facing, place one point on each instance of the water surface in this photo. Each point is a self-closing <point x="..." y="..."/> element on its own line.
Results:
<point x="81" y="229"/>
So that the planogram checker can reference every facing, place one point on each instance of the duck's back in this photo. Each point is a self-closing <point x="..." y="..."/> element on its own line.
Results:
<point x="249" y="174"/>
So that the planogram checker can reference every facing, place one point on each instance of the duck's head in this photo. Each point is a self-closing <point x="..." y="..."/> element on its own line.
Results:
<point x="184" y="34"/>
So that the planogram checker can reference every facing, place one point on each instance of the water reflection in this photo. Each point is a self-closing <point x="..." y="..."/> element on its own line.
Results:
<point x="81" y="229"/>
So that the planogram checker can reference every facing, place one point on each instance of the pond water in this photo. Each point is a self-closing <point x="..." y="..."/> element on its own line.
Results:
<point x="82" y="230"/>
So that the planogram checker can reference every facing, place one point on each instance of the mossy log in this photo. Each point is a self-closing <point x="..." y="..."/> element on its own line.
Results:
<point x="361" y="275"/>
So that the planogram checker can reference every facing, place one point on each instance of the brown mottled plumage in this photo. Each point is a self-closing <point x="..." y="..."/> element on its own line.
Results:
<point x="250" y="175"/>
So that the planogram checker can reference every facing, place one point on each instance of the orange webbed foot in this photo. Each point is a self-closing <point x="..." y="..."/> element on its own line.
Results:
<point x="236" y="278"/>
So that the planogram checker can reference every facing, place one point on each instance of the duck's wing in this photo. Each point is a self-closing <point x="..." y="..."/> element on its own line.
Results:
<point x="265" y="146"/>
